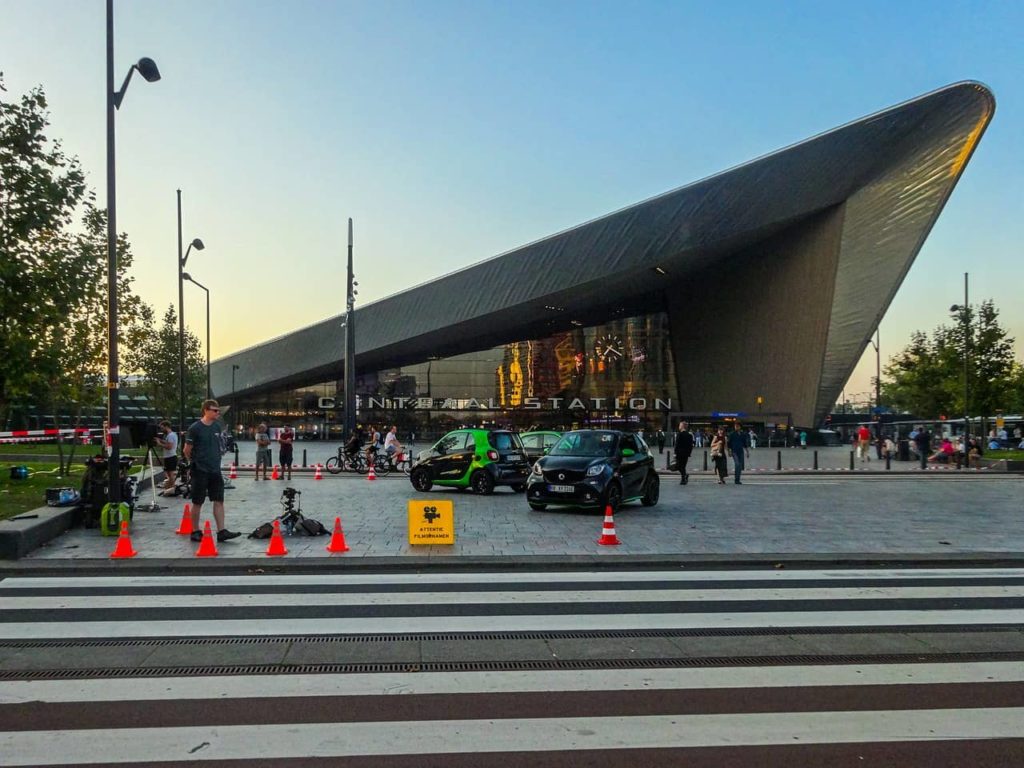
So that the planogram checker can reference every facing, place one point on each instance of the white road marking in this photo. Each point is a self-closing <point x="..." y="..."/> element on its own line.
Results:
<point x="303" y="740"/>
<point x="422" y="683"/>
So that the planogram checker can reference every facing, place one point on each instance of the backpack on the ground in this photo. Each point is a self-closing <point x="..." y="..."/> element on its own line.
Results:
<point x="311" y="527"/>
<point x="264" y="531"/>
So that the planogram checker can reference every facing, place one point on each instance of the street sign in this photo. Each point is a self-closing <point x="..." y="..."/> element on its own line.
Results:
<point x="431" y="521"/>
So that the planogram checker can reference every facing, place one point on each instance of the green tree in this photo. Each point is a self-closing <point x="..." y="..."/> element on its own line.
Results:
<point x="155" y="357"/>
<point x="927" y="377"/>
<point x="41" y="189"/>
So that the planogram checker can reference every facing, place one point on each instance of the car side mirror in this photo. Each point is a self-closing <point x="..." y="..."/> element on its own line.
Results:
<point x="627" y="452"/>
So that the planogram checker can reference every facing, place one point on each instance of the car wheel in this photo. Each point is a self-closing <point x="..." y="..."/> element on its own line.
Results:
<point x="420" y="479"/>
<point x="613" y="496"/>
<point x="519" y="487"/>
<point x="538" y="507"/>
<point x="652" y="491"/>
<point x="481" y="482"/>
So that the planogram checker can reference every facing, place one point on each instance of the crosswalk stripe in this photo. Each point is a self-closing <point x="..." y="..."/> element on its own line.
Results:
<point x="432" y="577"/>
<point x="433" y="683"/>
<point x="499" y="623"/>
<point x="258" y="599"/>
<point x="302" y="740"/>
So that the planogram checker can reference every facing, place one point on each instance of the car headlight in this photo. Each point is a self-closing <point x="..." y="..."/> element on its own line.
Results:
<point x="537" y="470"/>
<point x="596" y="470"/>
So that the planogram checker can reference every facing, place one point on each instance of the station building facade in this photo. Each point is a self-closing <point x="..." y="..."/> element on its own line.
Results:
<point x="750" y="295"/>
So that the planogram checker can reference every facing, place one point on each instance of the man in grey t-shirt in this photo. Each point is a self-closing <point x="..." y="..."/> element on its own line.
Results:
<point x="262" y="451"/>
<point x="202" y="448"/>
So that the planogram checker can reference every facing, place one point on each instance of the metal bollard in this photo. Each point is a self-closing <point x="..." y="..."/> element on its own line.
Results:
<point x="851" y="461"/>
<point x="705" y="461"/>
<point x="236" y="455"/>
<point x="888" y="460"/>
<point x="778" y="460"/>
<point x="303" y="458"/>
<point x="815" y="459"/>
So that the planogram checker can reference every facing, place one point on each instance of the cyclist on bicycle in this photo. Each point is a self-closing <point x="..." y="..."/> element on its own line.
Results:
<point x="355" y="442"/>
<point x="391" y="445"/>
<point x="372" y="445"/>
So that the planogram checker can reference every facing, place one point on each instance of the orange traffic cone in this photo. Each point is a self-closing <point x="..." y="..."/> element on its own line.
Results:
<point x="608" y="537"/>
<point x="185" y="528"/>
<point x="276" y="547"/>
<point x="207" y="547"/>
<point x="371" y="475"/>
<point x="233" y="473"/>
<point x="318" y="475"/>
<point x="337" y="538"/>
<point x="274" y="475"/>
<point x="124" y="544"/>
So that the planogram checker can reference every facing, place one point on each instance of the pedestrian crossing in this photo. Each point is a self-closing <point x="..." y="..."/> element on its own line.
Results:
<point x="711" y="706"/>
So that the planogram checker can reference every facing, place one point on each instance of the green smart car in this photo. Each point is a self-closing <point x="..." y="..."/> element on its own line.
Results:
<point x="478" y="459"/>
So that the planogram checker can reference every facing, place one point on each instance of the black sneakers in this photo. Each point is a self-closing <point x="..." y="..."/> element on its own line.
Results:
<point x="225" y="534"/>
<point x="196" y="536"/>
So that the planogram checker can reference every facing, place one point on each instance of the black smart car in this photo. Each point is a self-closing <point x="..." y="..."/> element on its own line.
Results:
<point x="594" y="468"/>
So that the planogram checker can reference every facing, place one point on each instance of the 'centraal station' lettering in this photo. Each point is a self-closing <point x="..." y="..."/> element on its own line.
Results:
<point x="529" y="403"/>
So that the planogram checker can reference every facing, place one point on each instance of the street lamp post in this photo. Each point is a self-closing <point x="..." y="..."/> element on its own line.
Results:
<point x="350" y="344"/>
<point x="234" y="368"/>
<point x="965" y="318"/>
<point x="187" y="276"/>
<point x="149" y="71"/>
<point x="182" y="260"/>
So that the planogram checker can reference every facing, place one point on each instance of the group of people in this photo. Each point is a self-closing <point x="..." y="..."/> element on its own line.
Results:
<point x="736" y="443"/>
<point x="373" y="442"/>
<point x="285" y="451"/>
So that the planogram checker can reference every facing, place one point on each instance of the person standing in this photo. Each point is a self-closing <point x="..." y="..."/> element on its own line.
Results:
<point x="753" y="438"/>
<point x="168" y="443"/>
<point x="683" y="449"/>
<point x="262" y="451"/>
<point x="202" y="449"/>
<point x="660" y="437"/>
<point x="718" y="455"/>
<point x="803" y="440"/>
<point x="923" y="443"/>
<point x="286" y="440"/>
<point x="737" y="447"/>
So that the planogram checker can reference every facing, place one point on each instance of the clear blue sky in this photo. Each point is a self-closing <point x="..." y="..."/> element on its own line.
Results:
<point x="454" y="131"/>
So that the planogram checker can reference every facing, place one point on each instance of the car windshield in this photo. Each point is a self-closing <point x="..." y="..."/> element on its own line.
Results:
<point x="506" y="441"/>
<point x="585" y="444"/>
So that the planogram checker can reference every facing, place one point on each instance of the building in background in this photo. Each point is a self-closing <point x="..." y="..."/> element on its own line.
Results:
<point x="750" y="294"/>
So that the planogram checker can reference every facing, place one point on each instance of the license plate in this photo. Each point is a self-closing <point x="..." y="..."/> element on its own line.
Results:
<point x="561" y="488"/>
<point x="513" y="457"/>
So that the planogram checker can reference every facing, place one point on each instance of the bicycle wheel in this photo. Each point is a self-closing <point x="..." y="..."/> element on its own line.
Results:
<point x="333" y="465"/>
<point x="381" y="465"/>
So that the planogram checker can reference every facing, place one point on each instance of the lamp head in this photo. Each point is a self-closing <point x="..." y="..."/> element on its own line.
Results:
<point x="198" y="244"/>
<point x="186" y="276"/>
<point x="148" y="69"/>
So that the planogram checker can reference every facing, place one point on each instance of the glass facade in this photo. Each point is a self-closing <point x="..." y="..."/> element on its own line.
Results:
<point x="617" y="373"/>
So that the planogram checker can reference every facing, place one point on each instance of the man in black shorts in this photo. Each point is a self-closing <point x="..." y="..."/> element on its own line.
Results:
<point x="202" y="448"/>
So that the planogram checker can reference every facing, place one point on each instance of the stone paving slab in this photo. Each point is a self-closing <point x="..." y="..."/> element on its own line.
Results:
<point x="933" y="515"/>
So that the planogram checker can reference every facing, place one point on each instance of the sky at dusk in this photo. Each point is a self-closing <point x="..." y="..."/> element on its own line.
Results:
<point x="454" y="131"/>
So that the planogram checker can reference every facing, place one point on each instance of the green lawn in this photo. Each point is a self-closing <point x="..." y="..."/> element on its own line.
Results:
<point x="1013" y="455"/>
<point x="50" y="449"/>
<point x="17" y="496"/>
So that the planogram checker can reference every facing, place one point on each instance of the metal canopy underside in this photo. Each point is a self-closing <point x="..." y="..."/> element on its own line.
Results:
<point x="893" y="170"/>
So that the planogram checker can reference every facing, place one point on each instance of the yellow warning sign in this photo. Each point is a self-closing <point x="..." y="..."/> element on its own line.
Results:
<point x="431" y="522"/>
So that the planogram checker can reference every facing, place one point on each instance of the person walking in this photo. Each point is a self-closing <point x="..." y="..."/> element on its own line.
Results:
<point x="737" y="447"/>
<point x="718" y="455"/>
<point x="660" y="438"/>
<point x="683" y="449"/>
<point x="262" y="451"/>
<point x="202" y="449"/>
<point x="923" y="443"/>
<point x="286" y="440"/>
<point x="803" y="440"/>
<point x="753" y="439"/>
<point x="864" y="443"/>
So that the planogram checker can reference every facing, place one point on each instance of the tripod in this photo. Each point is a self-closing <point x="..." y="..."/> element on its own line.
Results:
<point x="148" y="462"/>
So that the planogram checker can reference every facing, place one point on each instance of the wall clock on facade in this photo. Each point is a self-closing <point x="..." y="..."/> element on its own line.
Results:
<point x="609" y="347"/>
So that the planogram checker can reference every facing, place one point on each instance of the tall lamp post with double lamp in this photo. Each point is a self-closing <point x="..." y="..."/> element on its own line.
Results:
<point x="182" y="260"/>
<point x="187" y="276"/>
<point x="150" y="73"/>
<point x="965" y="317"/>
<point x="234" y="368"/>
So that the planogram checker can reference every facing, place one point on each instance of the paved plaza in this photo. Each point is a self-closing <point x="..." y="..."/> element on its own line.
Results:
<point x="932" y="513"/>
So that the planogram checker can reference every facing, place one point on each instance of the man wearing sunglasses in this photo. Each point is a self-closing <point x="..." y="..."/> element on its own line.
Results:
<point x="202" y="449"/>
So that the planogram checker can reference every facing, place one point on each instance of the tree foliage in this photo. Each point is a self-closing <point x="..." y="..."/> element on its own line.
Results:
<point x="156" y="356"/>
<point x="927" y="377"/>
